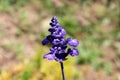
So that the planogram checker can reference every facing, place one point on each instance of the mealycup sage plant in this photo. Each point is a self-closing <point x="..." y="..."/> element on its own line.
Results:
<point x="59" y="50"/>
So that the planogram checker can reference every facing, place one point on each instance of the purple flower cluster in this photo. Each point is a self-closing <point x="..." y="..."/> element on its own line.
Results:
<point x="59" y="50"/>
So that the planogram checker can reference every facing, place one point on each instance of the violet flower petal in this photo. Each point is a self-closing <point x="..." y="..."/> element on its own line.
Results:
<point x="74" y="52"/>
<point x="73" y="42"/>
<point x="49" y="56"/>
<point x="45" y="41"/>
<point x="59" y="43"/>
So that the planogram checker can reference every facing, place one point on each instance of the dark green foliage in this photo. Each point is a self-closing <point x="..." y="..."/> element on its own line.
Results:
<point x="70" y="24"/>
<point x="26" y="74"/>
<point x="7" y="5"/>
<point x="37" y="60"/>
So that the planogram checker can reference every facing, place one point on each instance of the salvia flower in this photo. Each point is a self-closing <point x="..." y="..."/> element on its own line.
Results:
<point x="59" y="50"/>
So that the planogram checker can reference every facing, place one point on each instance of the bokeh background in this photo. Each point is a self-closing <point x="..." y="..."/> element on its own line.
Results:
<point x="24" y="24"/>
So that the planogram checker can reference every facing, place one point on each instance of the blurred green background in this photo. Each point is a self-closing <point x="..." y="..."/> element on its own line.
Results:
<point x="24" y="24"/>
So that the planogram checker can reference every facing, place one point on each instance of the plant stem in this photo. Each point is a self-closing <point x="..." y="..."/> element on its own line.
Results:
<point x="62" y="69"/>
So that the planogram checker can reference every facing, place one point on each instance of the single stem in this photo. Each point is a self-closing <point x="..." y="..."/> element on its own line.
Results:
<point x="62" y="69"/>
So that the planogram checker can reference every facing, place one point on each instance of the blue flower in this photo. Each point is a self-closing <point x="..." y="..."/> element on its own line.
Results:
<point x="59" y="50"/>
<point x="73" y="42"/>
